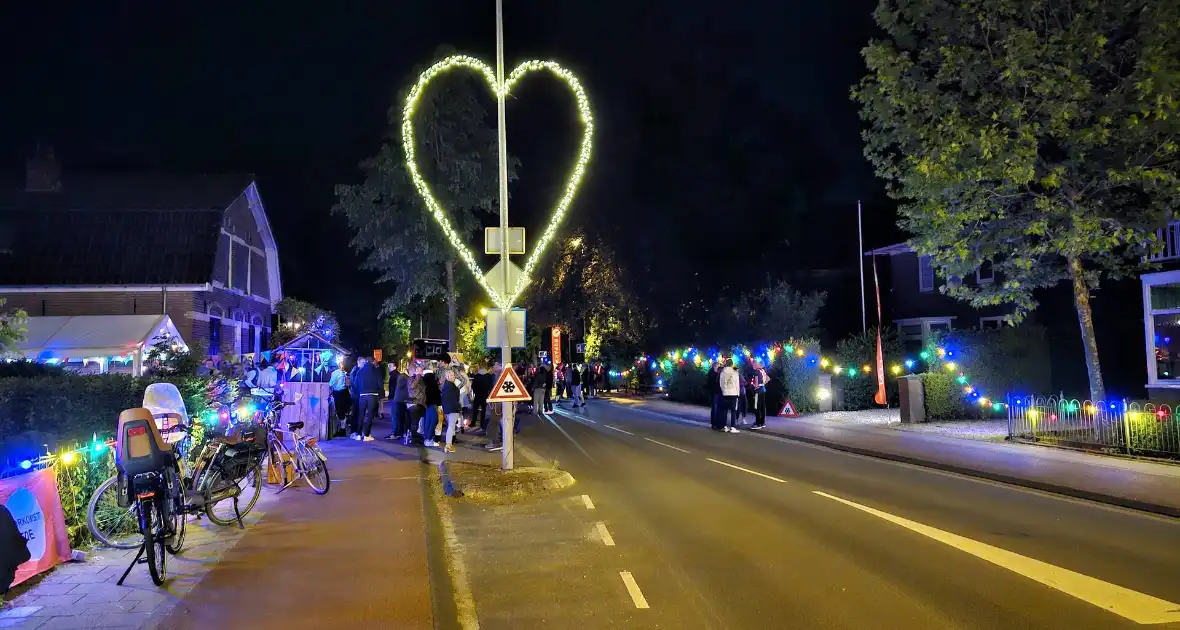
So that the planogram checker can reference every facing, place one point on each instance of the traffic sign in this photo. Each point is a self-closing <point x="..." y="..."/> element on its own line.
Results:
<point x="788" y="410"/>
<point x="492" y="240"/>
<point x="495" y="278"/>
<point x="509" y="388"/>
<point x="494" y="325"/>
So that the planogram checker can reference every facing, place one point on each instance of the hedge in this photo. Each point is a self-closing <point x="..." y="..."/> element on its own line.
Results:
<point x="860" y="350"/>
<point x="1012" y="359"/>
<point x="60" y="411"/>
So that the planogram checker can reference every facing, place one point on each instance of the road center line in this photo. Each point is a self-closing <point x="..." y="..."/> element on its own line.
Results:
<point x="588" y="502"/>
<point x="606" y="539"/>
<point x="747" y="470"/>
<point x="633" y="589"/>
<point x="617" y="429"/>
<point x="675" y="448"/>
<point x="1135" y="606"/>
<point x="588" y="420"/>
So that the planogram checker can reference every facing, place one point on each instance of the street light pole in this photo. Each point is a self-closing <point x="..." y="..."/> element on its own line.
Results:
<point x="507" y="420"/>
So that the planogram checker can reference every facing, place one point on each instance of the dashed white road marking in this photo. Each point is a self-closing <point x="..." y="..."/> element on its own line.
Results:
<point x="746" y="470"/>
<point x="588" y="420"/>
<point x="1135" y="606"/>
<point x="588" y="502"/>
<point x="605" y="535"/>
<point x="633" y="589"/>
<point x="617" y="429"/>
<point x="675" y="448"/>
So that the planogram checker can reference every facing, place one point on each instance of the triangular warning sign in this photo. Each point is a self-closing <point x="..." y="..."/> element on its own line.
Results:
<point x="788" y="410"/>
<point x="509" y="388"/>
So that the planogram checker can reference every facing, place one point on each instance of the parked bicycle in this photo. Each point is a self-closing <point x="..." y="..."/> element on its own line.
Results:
<point x="307" y="462"/>
<point x="227" y="469"/>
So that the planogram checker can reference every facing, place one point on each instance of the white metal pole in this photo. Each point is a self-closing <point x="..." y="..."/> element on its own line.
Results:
<point x="507" y="422"/>
<point x="860" y="261"/>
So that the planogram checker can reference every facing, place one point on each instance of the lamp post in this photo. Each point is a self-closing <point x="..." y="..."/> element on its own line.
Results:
<point x="507" y="421"/>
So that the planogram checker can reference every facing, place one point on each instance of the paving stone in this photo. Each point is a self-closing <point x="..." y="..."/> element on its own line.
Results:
<point x="50" y="601"/>
<point x="145" y="595"/>
<point x="53" y="588"/>
<point x="18" y="612"/>
<point x="86" y="578"/>
<point x="28" y="599"/>
<point x="23" y="623"/>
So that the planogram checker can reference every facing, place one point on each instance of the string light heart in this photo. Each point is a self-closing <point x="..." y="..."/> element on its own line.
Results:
<point x="571" y="187"/>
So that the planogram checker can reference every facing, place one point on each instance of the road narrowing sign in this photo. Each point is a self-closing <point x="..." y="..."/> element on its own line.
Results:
<point x="509" y="388"/>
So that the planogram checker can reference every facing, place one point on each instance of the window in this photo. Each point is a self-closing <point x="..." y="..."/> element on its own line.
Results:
<point x="214" y="335"/>
<point x="938" y="326"/>
<point x="984" y="274"/>
<point x="992" y="323"/>
<point x="925" y="274"/>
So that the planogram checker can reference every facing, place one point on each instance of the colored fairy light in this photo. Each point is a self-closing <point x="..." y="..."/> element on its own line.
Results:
<point x="996" y="406"/>
<point x="941" y="352"/>
<point x="983" y="402"/>
<point x="499" y="90"/>
<point x="25" y="465"/>
<point x="962" y="380"/>
<point x="790" y="349"/>
<point x="968" y="390"/>
<point x="924" y="355"/>
<point x="851" y="371"/>
<point x="823" y="362"/>
<point x="896" y="369"/>
<point x="909" y="364"/>
<point x="1032" y="414"/>
<point x="823" y="393"/>
<point x="69" y="457"/>
<point x="866" y="369"/>
<point x="99" y="447"/>
<point x="950" y="367"/>
<point x="799" y="352"/>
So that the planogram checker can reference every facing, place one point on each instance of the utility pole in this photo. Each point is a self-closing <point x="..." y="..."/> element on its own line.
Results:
<point x="507" y="421"/>
<point x="860" y="262"/>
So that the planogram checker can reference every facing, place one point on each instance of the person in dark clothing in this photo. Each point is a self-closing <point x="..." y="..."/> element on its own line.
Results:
<point x="576" y="387"/>
<point x="758" y="384"/>
<point x="433" y="401"/>
<point x="549" y="389"/>
<point x="587" y="384"/>
<point x="537" y="387"/>
<point x="481" y="387"/>
<point x="717" y="417"/>
<point x="417" y="402"/>
<point x="399" y="388"/>
<point x="370" y="385"/>
<point x="14" y="549"/>
<point x="452" y="408"/>
<point x="354" y="413"/>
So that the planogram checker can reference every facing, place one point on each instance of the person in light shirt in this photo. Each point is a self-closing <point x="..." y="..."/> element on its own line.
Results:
<point x="338" y="385"/>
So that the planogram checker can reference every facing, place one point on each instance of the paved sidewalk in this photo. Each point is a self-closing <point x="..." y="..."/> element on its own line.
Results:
<point x="1129" y="483"/>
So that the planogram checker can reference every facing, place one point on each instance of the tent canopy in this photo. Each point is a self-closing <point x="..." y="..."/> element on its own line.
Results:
<point x="86" y="336"/>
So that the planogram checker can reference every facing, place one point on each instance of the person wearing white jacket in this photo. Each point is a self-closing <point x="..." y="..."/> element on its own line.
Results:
<point x="731" y="388"/>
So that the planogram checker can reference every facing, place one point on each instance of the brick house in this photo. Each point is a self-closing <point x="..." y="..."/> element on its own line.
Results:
<point x="198" y="249"/>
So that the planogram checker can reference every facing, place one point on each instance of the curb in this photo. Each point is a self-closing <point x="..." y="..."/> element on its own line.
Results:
<point x="449" y="487"/>
<point x="1077" y="493"/>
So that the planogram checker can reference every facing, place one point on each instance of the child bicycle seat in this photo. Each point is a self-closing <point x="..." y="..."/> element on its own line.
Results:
<point x="139" y="447"/>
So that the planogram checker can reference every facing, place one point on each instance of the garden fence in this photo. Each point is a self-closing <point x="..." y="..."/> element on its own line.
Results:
<point x="1121" y="427"/>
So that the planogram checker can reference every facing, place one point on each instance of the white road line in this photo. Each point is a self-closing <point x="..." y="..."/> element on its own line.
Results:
<point x="675" y="448"/>
<point x="605" y="535"/>
<point x="752" y="472"/>
<point x="633" y="589"/>
<point x="1132" y="605"/>
<point x="617" y="429"/>
<point x="587" y="420"/>
<point x="588" y="502"/>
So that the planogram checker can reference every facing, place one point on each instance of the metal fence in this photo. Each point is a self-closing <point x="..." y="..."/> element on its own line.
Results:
<point x="1121" y="427"/>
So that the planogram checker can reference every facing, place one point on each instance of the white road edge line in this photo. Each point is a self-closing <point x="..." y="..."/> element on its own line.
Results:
<point x="588" y="502"/>
<point x="675" y="448"/>
<point x="617" y="429"/>
<point x="606" y="539"/>
<point x="1133" y="605"/>
<point x="633" y="589"/>
<point x="746" y="470"/>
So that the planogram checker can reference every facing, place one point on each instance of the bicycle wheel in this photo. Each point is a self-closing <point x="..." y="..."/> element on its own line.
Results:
<point x="113" y="526"/>
<point x="315" y="469"/>
<point x="248" y="489"/>
<point x="154" y="552"/>
<point x="175" y="542"/>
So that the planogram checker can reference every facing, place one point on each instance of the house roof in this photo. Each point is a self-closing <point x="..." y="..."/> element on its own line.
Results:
<point x="891" y="250"/>
<point x="87" y="336"/>
<point x="114" y="230"/>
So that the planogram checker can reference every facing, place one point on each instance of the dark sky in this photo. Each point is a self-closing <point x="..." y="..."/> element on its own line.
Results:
<point x="727" y="148"/>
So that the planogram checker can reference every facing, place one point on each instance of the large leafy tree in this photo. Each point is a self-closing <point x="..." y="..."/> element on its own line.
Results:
<point x="12" y="327"/>
<point x="458" y="154"/>
<point x="775" y="313"/>
<point x="1035" y="136"/>
<point x="587" y="293"/>
<point x="297" y="317"/>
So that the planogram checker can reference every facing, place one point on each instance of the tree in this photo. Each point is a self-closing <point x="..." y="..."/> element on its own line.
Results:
<point x="780" y="312"/>
<point x="588" y="293"/>
<point x="297" y="317"/>
<point x="458" y="153"/>
<point x="1037" y="137"/>
<point x="471" y="340"/>
<point x="396" y="336"/>
<point x="12" y="327"/>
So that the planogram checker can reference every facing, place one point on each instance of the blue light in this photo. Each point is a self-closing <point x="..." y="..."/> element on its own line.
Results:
<point x="25" y="465"/>
<point x="660" y="382"/>
<point x="909" y="363"/>
<point x="1112" y="405"/>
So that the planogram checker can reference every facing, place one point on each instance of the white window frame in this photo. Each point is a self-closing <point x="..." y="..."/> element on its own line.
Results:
<point x="923" y="288"/>
<point x="995" y="318"/>
<point x="1150" y="280"/>
<point x="925" y="323"/>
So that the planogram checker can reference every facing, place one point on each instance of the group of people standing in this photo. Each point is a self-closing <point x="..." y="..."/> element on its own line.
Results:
<point x="734" y="395"/>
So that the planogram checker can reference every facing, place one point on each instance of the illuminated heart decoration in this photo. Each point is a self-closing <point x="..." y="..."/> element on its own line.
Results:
<point x="436" y="209"/>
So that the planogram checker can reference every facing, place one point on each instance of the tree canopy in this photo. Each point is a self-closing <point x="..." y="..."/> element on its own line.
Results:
<point x="1037" y="137"/>
<point x="297" y="317"/>
<point x="776" y="313"/>
<point x="12" y="327"/>
<point x="458" y="156"/>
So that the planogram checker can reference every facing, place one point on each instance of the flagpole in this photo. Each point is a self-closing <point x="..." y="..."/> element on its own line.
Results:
<point x="860" y="261"/>
<point x="507" y="420"/>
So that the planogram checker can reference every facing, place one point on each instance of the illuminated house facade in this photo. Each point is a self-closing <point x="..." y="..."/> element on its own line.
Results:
<point x="1161" y="319"/>
<point x="198" y="249"/>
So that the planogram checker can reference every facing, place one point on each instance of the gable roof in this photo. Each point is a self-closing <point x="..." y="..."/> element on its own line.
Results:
<point x="115" y="230"/>
<point x="85" y="336"/>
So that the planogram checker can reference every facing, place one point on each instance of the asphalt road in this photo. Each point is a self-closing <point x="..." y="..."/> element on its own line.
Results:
<point x="716" y="530"/>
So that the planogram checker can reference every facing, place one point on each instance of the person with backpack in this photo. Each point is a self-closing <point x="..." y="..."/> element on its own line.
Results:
<point x="14" y="550"/>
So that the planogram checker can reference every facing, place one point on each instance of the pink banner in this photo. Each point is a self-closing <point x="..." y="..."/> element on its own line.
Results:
<point x="36" y="507"/>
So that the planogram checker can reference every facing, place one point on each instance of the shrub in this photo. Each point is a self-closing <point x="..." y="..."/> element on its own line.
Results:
<point x="793" y="377"/>
<point x="859" y="350"/>
<point x="26" y="369"/>
<point x="688" y="383"/>
<point x="1012" y="359"/>
<point x="943" y="396"/>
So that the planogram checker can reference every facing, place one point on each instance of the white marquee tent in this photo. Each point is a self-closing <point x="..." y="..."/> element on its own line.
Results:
<point x="98" y="338"/>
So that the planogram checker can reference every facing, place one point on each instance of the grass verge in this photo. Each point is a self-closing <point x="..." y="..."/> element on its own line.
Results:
<point x="487" y="484"/>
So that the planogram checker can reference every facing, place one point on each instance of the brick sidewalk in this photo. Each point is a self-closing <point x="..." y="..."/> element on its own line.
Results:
<point x="1138" y="484"/>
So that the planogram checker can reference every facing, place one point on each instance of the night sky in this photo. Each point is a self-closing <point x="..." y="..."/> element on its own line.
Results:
<point x="727" y="149"/>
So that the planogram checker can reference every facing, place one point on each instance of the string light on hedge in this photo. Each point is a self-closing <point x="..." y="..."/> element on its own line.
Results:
<point x="499" y="90"/>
